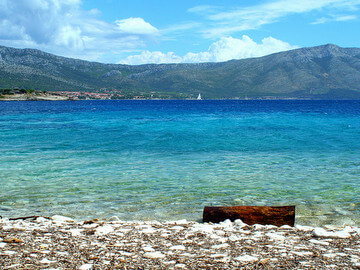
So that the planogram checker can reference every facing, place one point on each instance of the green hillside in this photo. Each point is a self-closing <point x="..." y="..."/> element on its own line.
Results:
<point x="323" y="72"/>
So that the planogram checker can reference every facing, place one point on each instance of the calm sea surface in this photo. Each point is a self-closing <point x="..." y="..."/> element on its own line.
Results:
<point x="166" y="160"/>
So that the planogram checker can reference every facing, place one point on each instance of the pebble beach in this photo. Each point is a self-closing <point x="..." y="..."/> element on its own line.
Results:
<point x="60" y="242"/>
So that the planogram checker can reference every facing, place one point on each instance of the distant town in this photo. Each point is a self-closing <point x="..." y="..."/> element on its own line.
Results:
<point x="102" y="94"/>
<point x="106" y="94"/>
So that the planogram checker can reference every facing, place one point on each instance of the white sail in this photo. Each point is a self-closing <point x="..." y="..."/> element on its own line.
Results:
<point x="199" y="97"/>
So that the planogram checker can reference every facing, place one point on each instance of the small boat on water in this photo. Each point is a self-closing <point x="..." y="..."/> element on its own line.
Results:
<point x="199" y="97"/>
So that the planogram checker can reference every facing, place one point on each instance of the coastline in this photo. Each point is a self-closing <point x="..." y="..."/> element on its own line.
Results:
<point x="62" y="243"/>
<point x="27" y="97"/>
<point x="50" y="97"/>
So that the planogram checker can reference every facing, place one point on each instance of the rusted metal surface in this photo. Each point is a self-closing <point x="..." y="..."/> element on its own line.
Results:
<point x="265" y="215"/>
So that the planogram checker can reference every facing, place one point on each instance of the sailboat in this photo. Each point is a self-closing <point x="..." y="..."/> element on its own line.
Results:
<point x="199" y="97"/>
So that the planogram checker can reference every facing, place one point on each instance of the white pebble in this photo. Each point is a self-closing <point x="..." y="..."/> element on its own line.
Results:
<point x="286" y="227"/>
<point x="246" y="258"/>
<point x="149" y="231"/>
<point x="41" y="220"/>
<point x="204" y="228"/>
<point x="9" y="252"/>
<point x="275" y="236"/>
<point x="180" y="266"/>
<point x="329" y="255"/>
<point x="125" y="253"/>
<point x="16" y="266"/>
<point x="148" y="249"/>
<point x="225" y="245"/>
<point x="62" y="253"/>
<point x="169" y="262"/>
<point x="102" y="230"/>
<point x="86" y="266"/>
<point x="178" y="247"/>
<point x="304" y="228"/>
<point x="303" y="253"/>
<point x="258" y="227"/>
<point x="75" y="232"/>
<point x="46" y="261"/>
<point x="154" y="255"/>
<point x="341" y="234"/>
<point x="324" y="243"/>
<point x="114" y="218"/>
<point x="270" y="227"/>
<point x="181" y="222"/>
<point x="217" y="255"/>
<point x="61" y="219"/>
<point x="226" y="223"/>
<point x="176" y="228"/>
<point x="320" y="232"/>
<point x="234" y="238"/>
<point x="239" y="223"/>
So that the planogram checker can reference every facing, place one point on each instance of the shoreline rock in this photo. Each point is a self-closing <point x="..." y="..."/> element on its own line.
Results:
<point x="62" y="243"/>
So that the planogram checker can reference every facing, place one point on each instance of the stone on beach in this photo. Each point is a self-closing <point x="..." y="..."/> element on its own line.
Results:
<point x="86" y="266"/>
<point x="76" y="232"/>
<point x="114" y="218"/>
<point x="154" y="255"/>
<point x="61" y="219"/>
<point x="275" y="236"/>
<point x="178" y="247"/>
<point x="12" y="240"/>
<point x="42" y="220"/>
<point x="324" y="243"/>
<point x="239" y="223"/>
<point x="304" y="228"/>
<point x="205" y="228"/>
<point x="321" y="232"/>
<point x="175" y="245"/>
<point x="225" y="245"/>
<point x="180" y="266"/>
<point x="102" y="230"/>
<point x="46" y="261"/>
<point x="8" y="252"/>
<point x="148" y="249"/>
<point x="246" y="258"/>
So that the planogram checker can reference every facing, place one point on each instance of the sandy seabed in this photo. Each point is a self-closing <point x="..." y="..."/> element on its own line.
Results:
<point x="62" y="243"/>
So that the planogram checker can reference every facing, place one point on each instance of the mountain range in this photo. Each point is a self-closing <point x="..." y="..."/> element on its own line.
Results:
<point x="322" y="72"/>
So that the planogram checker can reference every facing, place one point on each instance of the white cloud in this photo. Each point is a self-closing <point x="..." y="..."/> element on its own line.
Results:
<point x="62" y="27"/>
<point x="173" y="29"/>
<point x="335" y="19"/>
<point x="203" y="9"/>
<point x="147" y="57"/>
<point x="225" y="49"/>
<point x="253" y="17"/>
<point x="136" y="26"/>
<point x="346" y="18"/>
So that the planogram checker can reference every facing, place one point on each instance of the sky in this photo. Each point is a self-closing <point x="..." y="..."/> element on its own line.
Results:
<point x="176" y="31"/>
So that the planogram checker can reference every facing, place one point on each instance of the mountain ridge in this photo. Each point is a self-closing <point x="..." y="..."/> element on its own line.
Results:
<point x="321" y="72"/>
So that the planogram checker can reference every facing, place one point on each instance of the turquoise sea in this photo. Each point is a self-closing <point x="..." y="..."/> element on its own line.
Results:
<point x="166" y="160"/>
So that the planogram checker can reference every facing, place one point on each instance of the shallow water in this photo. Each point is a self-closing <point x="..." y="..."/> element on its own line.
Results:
<point x="168" y="159"/>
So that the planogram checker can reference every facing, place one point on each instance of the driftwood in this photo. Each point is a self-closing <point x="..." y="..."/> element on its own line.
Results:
<point x="28" y="217"/>
<point x="265" y="215"/>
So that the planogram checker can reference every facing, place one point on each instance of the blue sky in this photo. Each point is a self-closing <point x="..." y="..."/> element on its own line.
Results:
<point x="159" y="31"/>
